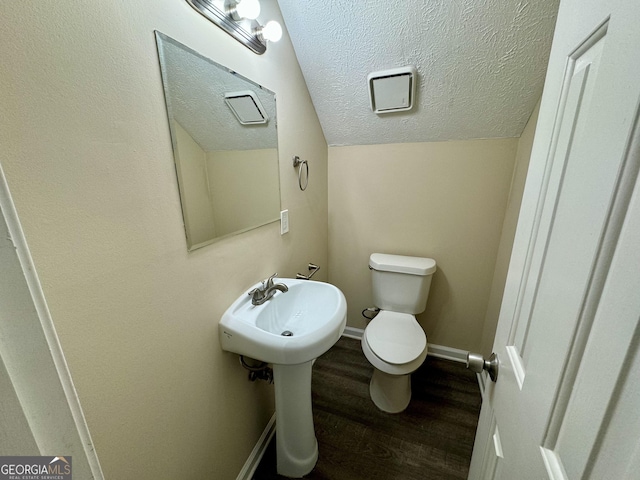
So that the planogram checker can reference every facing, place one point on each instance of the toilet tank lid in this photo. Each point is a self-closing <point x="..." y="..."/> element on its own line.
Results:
<point x="402" y="264"/>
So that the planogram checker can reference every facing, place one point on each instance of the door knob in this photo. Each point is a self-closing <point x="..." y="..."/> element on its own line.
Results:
<point x="477" y="363"/>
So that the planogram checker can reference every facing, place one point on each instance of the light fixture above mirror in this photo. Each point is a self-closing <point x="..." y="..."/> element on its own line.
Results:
<point x="238" y="19"/>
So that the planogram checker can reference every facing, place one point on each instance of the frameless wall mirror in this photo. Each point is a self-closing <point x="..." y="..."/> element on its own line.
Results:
<point x="225" y="145"/>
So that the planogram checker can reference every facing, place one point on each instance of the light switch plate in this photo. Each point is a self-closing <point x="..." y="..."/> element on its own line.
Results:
<point x="284" y="222"/>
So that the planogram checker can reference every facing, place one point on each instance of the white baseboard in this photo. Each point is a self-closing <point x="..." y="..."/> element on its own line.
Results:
<point x="448" y="353"/>
<point x="351" y="332"/>
<point x="257" y="453"/>
<point x="438" y="351"/>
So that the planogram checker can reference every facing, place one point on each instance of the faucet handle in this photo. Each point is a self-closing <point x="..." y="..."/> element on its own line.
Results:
<point x="269" y="281"/>
<point x="254" y="292"/>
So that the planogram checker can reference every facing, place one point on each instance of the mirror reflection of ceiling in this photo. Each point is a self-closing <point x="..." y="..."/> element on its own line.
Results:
<point x="197" y="103"/>
<point x="481" y="64"/>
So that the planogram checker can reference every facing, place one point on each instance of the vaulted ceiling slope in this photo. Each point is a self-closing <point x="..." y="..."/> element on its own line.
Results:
<point x="481" y="64"/>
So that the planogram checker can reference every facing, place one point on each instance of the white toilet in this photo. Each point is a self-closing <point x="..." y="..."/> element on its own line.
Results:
<point x="394" y="342"/>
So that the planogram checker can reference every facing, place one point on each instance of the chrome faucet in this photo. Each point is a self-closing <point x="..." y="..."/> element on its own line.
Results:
<point x="260" y="295"/>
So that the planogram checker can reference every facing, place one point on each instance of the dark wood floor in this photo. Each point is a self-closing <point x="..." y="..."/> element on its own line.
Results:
<point x="431" y="439"/>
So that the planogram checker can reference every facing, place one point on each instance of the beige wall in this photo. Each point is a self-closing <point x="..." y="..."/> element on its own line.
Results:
<point x="443" y="200"/>
<point x="87" y="154"/>
<point x="242" y="184"/>
<point x="523" y="155"/>
<point x="191" y="168"/>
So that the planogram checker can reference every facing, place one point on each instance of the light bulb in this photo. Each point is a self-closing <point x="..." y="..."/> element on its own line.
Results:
<point x="272" y="31"/>
<point x="248" y="9"/>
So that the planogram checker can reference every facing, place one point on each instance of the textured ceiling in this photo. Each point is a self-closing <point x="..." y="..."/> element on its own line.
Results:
<point x="481" y="64"/>
<point x="196" y="87"/>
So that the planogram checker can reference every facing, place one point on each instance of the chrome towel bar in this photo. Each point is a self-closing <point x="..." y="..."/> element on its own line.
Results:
<point x="297" y="162"/>
<point x="312" y="269"/>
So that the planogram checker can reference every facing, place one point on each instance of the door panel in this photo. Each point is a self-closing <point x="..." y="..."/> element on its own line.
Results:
<point x="568" y="328"/>
<point x="605" y="344"/>
<point x="576" y="94"/>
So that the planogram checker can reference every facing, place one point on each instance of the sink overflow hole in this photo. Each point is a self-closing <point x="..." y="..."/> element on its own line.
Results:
<point x="287" y="333"/>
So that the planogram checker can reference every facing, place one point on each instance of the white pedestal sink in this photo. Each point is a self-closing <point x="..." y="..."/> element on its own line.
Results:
<point x="288" y="331"/>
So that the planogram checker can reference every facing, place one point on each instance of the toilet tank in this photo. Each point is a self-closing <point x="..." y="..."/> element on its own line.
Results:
<point x="401" y="283"/>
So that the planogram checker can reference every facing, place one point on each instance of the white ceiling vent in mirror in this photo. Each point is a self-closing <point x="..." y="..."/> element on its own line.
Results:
<point x="246" y="107"/>
<point x="392" y="90"/>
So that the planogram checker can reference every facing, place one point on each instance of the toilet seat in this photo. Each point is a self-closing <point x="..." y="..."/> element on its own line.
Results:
<point x="396" y="338"/>
<point x="394" y="343"/>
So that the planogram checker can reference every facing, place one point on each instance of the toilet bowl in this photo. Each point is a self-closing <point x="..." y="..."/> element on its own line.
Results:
<point x="394" y="342"/>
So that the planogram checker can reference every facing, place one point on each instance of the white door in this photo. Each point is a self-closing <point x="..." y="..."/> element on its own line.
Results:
<point x="566" y="403"/>
<point x="40" y="413"/>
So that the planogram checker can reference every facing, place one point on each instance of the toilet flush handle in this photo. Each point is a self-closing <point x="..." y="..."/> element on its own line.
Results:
<point x="477" y="363"/>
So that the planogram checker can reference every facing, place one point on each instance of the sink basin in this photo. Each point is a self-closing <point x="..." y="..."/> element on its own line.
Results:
<point x="292" y="328"/>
